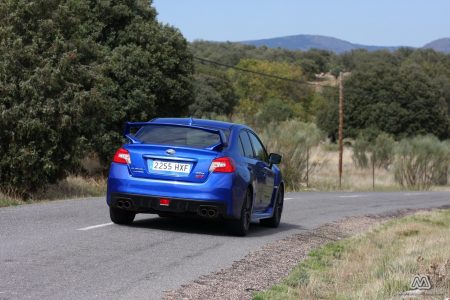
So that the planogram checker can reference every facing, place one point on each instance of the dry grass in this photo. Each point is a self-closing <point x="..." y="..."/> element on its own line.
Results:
<point x="353" y="179"/>
<point x="379" y="264"/>
<point x="9" y="201"/>
<point x="326" y="178"/>
<point x="71" y="187"/>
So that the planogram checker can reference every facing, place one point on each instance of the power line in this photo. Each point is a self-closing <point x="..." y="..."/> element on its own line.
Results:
<point x="250" y="71"/>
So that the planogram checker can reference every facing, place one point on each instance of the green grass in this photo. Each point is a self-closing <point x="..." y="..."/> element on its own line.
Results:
<point x="378" y="264"/>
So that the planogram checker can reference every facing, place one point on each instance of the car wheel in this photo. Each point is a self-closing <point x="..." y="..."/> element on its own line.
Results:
<point x="240" y="226"/>
<point x="120" y="216"/>
<point x="274" y="221"/>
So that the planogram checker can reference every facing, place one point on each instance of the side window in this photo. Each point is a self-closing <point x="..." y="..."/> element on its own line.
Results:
<point x="260" y="152"/>
<point x="241" y="147"/>
<point x="246" y="144"/>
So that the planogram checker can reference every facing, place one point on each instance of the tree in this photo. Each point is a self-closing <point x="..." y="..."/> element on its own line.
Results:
<point x="315" y="61"/>
<point x="327" y="118"/>
<point x="254" y="90"/>
<point x="147" y="70"/>
<point x="214" y="95"/>
<point x="395" y="97"/>
<point x="71" y="72"/>
<point x="273" y="111"/>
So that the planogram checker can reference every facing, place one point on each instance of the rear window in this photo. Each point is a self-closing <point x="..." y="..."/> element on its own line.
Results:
<point x="177" y="136"/>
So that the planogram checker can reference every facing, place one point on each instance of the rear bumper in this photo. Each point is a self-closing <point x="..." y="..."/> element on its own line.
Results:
<point x="217" y="191"/>
<point x="151" y="204"/>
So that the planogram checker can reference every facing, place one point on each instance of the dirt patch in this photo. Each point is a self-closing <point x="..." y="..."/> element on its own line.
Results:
<point x="263" y="268"/>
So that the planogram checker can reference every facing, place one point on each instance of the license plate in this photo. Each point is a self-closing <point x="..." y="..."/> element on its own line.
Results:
<point x="169" y="166"/>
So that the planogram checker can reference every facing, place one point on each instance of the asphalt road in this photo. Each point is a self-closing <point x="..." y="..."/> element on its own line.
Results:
<point x="70" y="250"/>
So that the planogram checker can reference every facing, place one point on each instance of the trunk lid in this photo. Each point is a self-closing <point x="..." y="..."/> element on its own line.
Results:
<point x="173" y="151"/>
<point x="170" y="163"/>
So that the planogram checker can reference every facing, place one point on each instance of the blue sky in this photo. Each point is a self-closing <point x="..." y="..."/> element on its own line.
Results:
<point x="373" y="22"/>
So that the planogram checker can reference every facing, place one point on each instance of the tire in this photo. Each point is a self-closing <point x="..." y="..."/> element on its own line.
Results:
<point x="240" y="226"/>
<point x="274" y="221"/>
<point x="120" y="216"/>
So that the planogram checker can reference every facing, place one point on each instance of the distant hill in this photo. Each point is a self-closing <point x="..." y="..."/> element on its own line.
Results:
<point x="442" y="45"/>
<point x="306" y="42"/>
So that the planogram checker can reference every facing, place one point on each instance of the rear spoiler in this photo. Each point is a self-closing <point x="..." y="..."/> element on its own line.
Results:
<point x="134" y="140"/>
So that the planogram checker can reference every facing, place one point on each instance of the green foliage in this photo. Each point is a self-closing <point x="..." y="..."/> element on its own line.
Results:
<point x="373" y="148"/>
<point x="257" y="93"/>
<point x="312" y="62"/>
<point x="421" y="162"/>
<point x="316" y="61"/>
<point x="293" y="140"/>
<point x="400" y="100"/>
<point x="214" y="95"/>
<point x="71" y="72"/>
<point x="383" y="151"/>
<point x="403" y="93"/>
<point x="273" y="111"/>
<point x="360" y="148"/>
<point x="327" y="118"/>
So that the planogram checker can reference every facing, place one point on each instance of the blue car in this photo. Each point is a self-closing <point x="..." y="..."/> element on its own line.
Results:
<point x="204" y="168"/>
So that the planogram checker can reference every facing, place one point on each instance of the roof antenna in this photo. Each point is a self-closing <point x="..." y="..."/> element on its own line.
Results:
<point x="190" y="121"/>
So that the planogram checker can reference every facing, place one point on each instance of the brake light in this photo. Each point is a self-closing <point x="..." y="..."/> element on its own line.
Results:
<point x="164" y="202"/>
<point x="122" y="156"/>
<point x="222" y="165"/>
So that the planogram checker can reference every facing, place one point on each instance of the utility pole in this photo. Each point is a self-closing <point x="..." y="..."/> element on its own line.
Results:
<point x="341" y="126"/>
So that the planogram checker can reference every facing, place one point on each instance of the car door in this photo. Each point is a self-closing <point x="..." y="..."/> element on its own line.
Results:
<point x="255" y="170"/>
<point x="265" y="174"/>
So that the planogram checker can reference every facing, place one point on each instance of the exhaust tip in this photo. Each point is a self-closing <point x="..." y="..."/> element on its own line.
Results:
<point x="124" y="204"/>
<point x="208" y="211"/>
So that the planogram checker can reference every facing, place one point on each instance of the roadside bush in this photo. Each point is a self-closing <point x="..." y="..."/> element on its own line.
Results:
<point x="374" y="151"/>
<point x="293" y="140"/>
<point x="71" y="73"/>
<point x="273" y="111"/>
<point x="421" y="162"/>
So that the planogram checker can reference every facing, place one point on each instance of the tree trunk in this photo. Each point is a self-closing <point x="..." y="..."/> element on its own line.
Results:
<point x="373" y="174"/>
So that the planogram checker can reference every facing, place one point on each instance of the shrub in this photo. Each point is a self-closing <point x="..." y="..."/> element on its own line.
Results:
<point x="372" y="150"/>
<point x="293" y="140"/>
<point x="421" y="162"/>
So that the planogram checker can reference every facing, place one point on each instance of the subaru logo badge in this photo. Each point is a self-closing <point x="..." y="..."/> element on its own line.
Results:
<point x="170" y="151"/>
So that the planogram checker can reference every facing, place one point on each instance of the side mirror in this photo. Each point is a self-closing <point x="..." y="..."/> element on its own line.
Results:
<point x="274" y="159"/>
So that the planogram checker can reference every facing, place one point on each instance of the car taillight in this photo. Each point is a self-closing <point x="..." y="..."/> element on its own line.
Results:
<point x="222" y="165"/>
<point x="122" y="156"/>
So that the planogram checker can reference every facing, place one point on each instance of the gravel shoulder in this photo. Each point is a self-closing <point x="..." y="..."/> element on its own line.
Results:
<point x="261" y="269"/>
